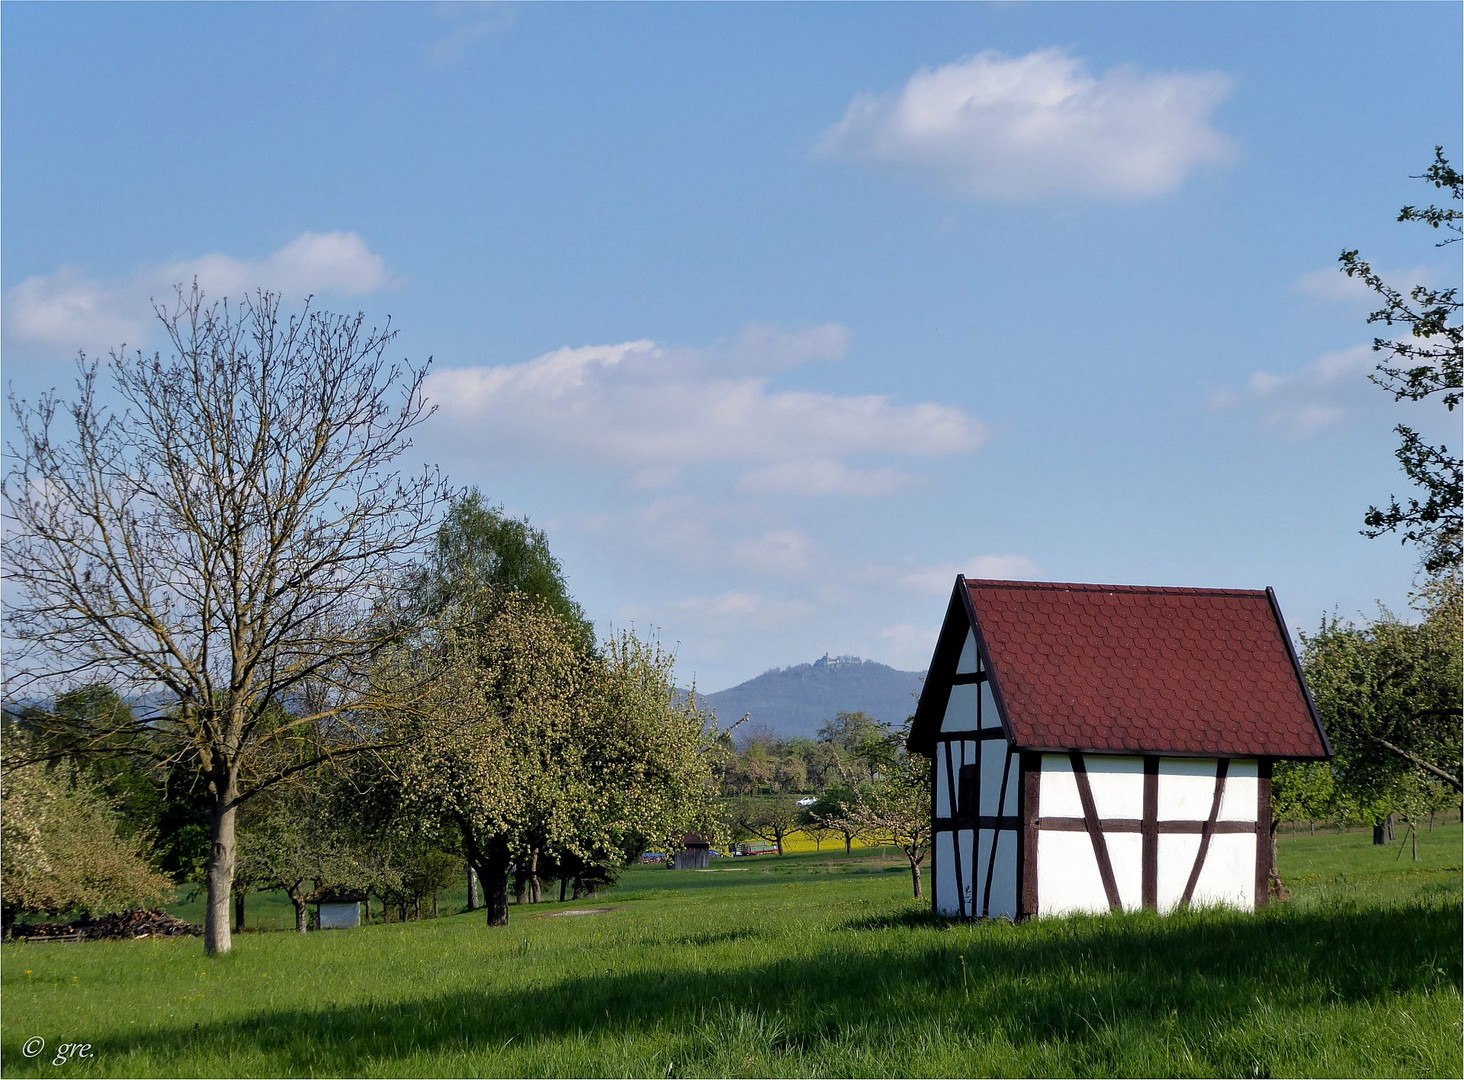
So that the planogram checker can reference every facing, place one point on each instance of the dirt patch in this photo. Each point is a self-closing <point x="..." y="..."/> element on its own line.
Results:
<point x="576" y="911"/>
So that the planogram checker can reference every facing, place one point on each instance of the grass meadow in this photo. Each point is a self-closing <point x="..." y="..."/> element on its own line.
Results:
<point x="809" y="964"/>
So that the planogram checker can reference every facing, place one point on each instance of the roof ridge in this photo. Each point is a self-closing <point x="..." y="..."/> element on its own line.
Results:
<point x="1077" y="586"/>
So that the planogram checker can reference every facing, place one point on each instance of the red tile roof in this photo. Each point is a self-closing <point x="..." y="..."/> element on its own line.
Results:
<point x="1131" y="669"/>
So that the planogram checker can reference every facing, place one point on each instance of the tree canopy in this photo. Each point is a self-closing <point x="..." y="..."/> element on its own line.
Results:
<point x="1388" y="693"/>
<point x="526" y="745"/>
<point x="480" y="550"/>
<point x="64" y="848"/>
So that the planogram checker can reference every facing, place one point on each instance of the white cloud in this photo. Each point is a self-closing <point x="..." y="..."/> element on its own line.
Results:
<point x="938" y="580"/>
<point x="821" y="476"/>
<point x="67" y="310"/>
<point x="1030" y="126"/>
<point x="478" y="22"/>
<point x="1304" y="402"/>
<point x="781" y="551"/>
<point x="642" y="406"/>
<point x="761" y="349"/>
<point x="746" y="606"/>
<point x="908" y="647"/>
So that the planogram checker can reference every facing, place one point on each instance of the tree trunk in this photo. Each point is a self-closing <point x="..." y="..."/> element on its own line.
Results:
<point x="302" y="910"/>
<point x="915" y="877"/>
<point x="238" y="912"/>
<point x="223" y="850"/>
<point x="1274" y="884"/>
<point x="1380" y="835"/>
<point x="474" y="900"/>
<point x="563" y="887"/>
<point x="520" y="884"/>
<point x="493" y="875"/>
<point x="434" y="903"/>
<point x="848" y="844"/>
<point x="367" y="902"/>
<point x="1390" y="827"/>
<point x="417" y="909"/>
<point x="579" y="889"/>
<point x="779" y="841"/>
<point x="536" y="893"/>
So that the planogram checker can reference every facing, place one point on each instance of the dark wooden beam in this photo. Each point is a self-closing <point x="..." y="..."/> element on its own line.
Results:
<point x="1221" y="767"/>
<point x="1095" y="831"/>
<point x="1028" y="798"/>
<point x="1150" y="831"/>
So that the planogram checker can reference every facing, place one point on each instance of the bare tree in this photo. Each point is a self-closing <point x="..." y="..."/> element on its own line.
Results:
<point x="220" y="538"/>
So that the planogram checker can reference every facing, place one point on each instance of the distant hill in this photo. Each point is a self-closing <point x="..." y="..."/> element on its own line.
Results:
<point x="799" y="700"/>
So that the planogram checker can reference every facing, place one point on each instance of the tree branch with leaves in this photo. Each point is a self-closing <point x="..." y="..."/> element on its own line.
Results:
<point x="1426" y="364"/>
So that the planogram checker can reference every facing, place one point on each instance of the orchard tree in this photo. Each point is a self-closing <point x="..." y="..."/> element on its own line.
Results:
<point x="895" y="810"/>
<point x="1427" y="364"/>
<point x="291" y="840"/>
<point x="1388" y="693"/>
<point x="831" y="811"/>
<point x="523" y="742"/>
<point x="772" y="818"/>
<point x="219" y="526"/>
<point x="63" y="848"/>
<point x="92" y="729"/>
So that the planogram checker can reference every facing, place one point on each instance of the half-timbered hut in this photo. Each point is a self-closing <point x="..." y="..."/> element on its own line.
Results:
<point x="1105" y="748"/>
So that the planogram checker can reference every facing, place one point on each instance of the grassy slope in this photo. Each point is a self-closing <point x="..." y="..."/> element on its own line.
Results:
<point x="802" y="965"/>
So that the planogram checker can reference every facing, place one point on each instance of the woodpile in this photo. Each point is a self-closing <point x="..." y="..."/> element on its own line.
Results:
<point x="119" y="927"/>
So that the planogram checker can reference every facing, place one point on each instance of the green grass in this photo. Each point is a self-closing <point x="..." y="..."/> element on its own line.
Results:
<point x="804" y="965"/>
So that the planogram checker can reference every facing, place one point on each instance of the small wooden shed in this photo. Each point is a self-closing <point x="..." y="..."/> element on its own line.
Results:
<point x="695" y="853"/>
<point x="339" y="910"/>
<point x="1106" y="747"/>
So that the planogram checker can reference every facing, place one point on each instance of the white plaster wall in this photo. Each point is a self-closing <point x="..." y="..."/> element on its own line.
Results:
<point x="1176" y="854"/>
<point x="1238" y="803"/>
<point x="960" y="714"/>
<point x="1004" y="876"/>
<point x="993" y="766"/>
<point x="945" y="873"/>
<point x="1067" y="873"/>
<point x="963" y="846"/>
<point x="1118" y="785"/>
<point x="942" y="780"/>
<point x="1126" y="854"/>
<point x="339" y="916"/>
<point x="1186" y="788"/>
<point x="983" y="859"/>
<point x="990" y="718"/>
<point x="1229" y="875"/>
<point x="1058" y="791"/>
<point x="968" y="663"/>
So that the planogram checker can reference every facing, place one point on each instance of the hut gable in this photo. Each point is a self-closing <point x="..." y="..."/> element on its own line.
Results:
<point x="1106" y="747"/>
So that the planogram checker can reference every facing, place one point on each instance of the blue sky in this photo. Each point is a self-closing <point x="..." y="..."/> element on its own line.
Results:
<point x="775" y="317"/>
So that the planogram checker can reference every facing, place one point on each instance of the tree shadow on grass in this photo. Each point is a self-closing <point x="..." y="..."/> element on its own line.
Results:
<point x="1089" y="984"/>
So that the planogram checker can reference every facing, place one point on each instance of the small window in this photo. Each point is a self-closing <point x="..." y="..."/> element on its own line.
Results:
<point x="966" y="796"/>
